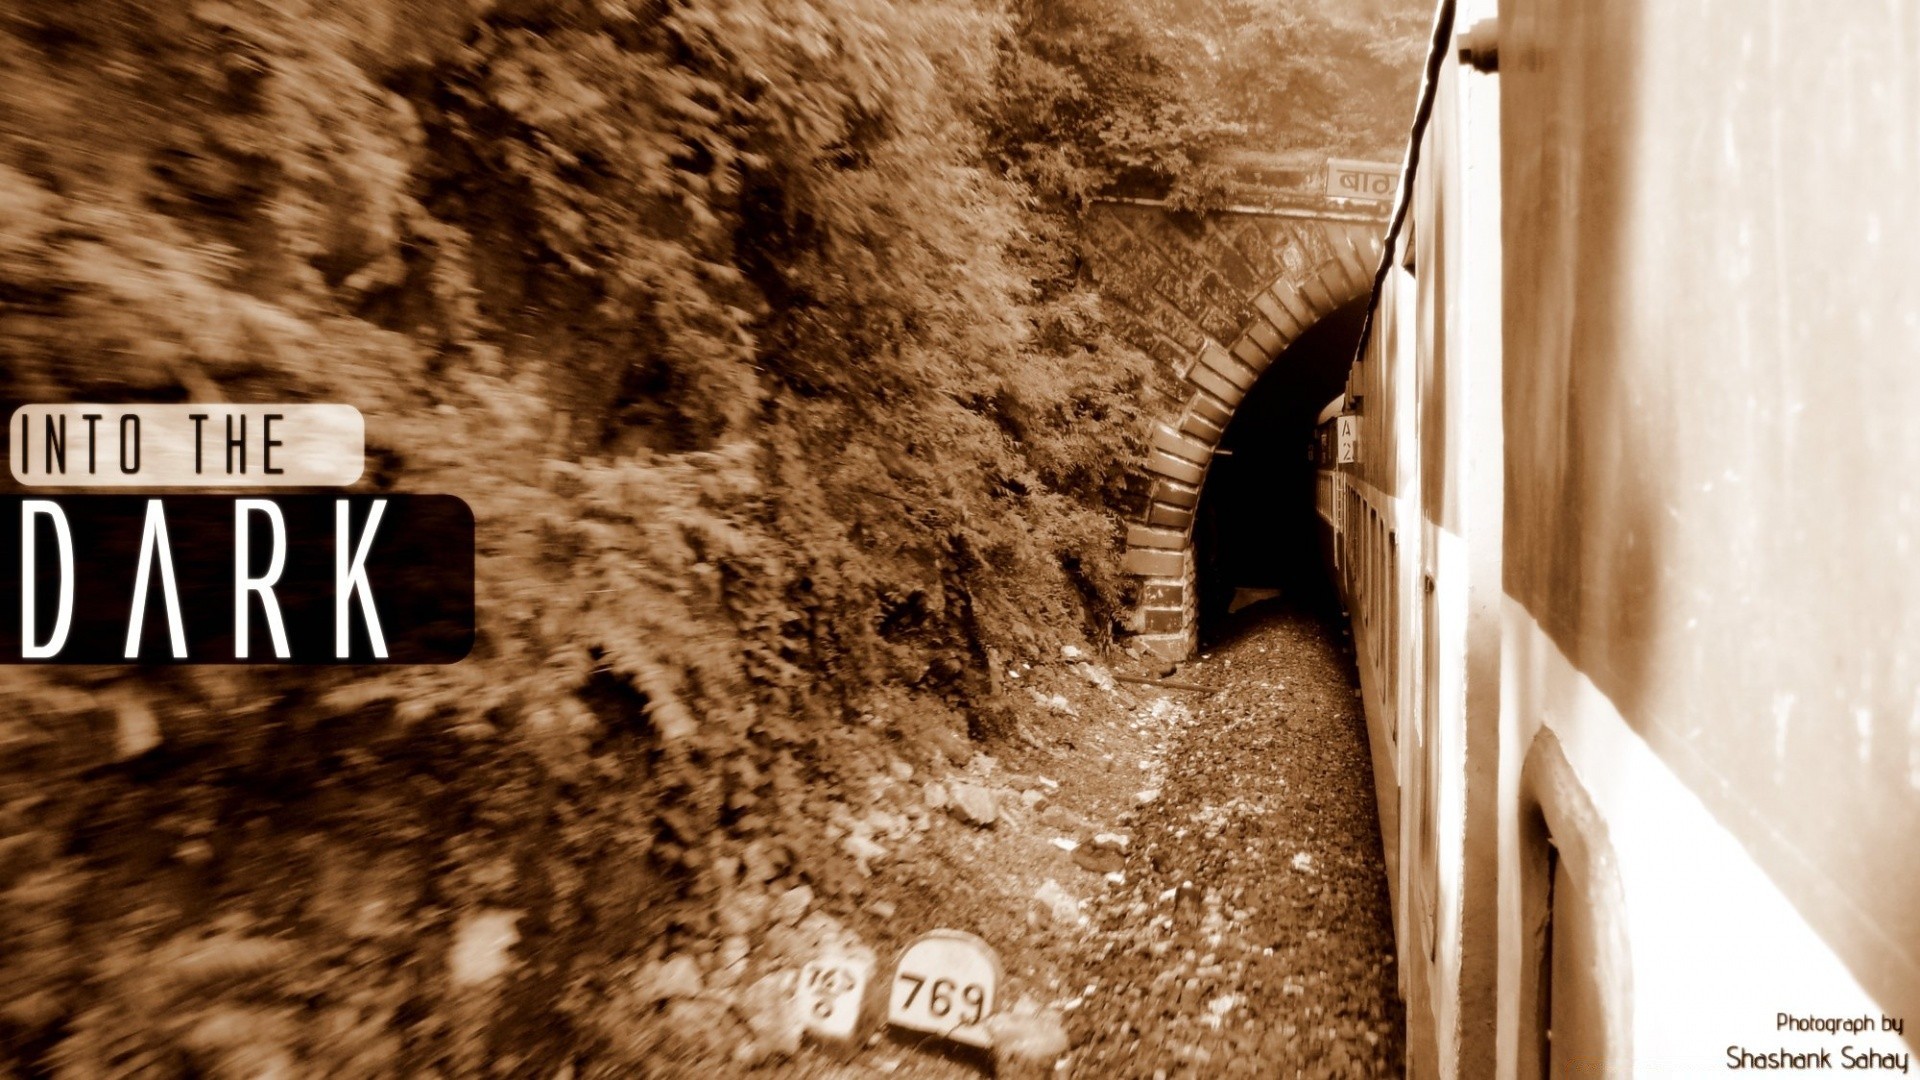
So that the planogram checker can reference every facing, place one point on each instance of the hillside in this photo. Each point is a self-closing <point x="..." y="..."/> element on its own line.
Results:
<point x="752" y="335"/>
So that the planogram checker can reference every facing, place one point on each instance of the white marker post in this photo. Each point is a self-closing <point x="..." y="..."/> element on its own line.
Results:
<point x="833" y="991"/>
<point x="946" y="984"/>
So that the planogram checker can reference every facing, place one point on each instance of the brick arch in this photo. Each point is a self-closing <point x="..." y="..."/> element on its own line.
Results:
<point x="1211" y="383"/>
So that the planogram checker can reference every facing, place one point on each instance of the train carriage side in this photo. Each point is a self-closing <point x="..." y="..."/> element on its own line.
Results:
<point x="1362" y="519"/>
<point x="1624" y="524"/>
<point x="1412" y="506"/>
<point x="1711" y="620"/>
<point x="1413" y="510"/>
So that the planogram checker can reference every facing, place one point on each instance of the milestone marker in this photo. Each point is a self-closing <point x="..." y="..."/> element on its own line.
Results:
<point x="946" y="984"/>
<point x="833" y="992"/>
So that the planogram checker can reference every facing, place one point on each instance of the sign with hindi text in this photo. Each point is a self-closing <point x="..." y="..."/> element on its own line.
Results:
<point x="1372" y="181"/>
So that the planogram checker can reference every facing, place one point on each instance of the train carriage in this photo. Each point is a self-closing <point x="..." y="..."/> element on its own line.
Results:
<point x="1620" y="497"/>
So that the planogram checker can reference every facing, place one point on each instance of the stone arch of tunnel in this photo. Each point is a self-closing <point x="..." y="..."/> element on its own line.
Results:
<point x="1212" y="388"/>
<point x="1256" y="530"/>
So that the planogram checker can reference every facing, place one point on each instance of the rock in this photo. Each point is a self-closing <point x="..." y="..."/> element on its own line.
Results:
<point x="704" y="1023"/>
<point x="949" y="960"/>
<point x="900" y="825"/>
<point x="792" y="905"/>
<point x="953" y="748"/>
<point x="1099" y="858"/>
<point x="1072" y="652"/>
<point x="864" y="850"/>
<point x="1145" y="796"/>
<point x="818" y="932"/>
<point x="936" y="795"/>
<point x="764" y="860"/>
<point x="881" y="823"/>
<point x="1059" y="817"/>
<point x="825" y="930"/>
<point x="1058" y="902"/>
<point x="666" y="980"/>
<point x="1098" y="676"/>
<point x="481" y="944"/>
<point x="771" y="1010"/>
<point x="1026" y="1046"/>
<point x="1031" y="798"/>
<point x="135" y="729"/>
<point x="742" y="912"/>
<point x="973" y="804"/>
<point x="1056" y="703"/>
<point x="730" y="964"/>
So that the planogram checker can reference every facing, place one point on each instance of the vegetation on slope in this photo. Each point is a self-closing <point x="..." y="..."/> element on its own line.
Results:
<point x="749" y="330"/>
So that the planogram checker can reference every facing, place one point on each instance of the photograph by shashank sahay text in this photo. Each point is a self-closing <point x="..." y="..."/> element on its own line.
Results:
<point x="847" y="538"/>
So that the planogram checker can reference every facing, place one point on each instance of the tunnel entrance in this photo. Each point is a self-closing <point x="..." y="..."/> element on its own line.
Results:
<point x="1255" y="532"/>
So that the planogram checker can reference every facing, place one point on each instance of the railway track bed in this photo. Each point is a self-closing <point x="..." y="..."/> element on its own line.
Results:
<point x="1254" y="936"/>
<point x="1243" y="930"/>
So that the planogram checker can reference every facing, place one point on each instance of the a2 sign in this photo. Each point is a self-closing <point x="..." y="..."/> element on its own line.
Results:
<point x="945" y="985"/>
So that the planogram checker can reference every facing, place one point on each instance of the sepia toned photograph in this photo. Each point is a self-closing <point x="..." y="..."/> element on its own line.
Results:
<point x="951" y="539"/>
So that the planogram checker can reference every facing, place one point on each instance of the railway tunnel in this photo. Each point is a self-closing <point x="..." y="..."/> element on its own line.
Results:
<point x="1216" y="299"/>
<point x="1255" y="536"/>
<point x="1269" y="807"/>
<point x="1268" y="814"/>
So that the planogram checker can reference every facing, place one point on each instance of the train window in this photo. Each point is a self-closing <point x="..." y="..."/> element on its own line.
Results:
<point x="1383" y="616"/>
<point x="1379" y="590"/>
<point x="1430" y="712"/>
<point x="1393" y="638"/>
<point x="1366" y="610"/>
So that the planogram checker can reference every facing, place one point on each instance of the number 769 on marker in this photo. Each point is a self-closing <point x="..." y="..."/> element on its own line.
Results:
<point x="945" y="985"/>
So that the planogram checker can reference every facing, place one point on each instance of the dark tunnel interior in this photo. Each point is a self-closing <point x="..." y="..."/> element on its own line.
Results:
<point x="1255" y="527"/>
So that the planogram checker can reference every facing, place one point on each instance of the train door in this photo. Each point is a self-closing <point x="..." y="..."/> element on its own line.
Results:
<point x="1426" y="839"/>
<point x="1576" y="1043"/>
<point x="1419" y="929"/>
<point x="1575" y="987"/>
